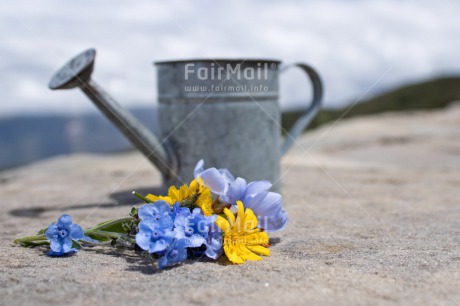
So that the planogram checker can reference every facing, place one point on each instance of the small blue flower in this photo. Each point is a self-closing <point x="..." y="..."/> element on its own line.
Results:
<point x="198" y="230"/>
<point x="178" y="210"/>
<point x="158" y="212"/>
<point x="193" y="227"/>
<point x="152" y="237"/>
<point x="213" y="242"/>
<point x="175" y="253"/>
<point x="156" y="227"/>
<point x="61" y="234"/>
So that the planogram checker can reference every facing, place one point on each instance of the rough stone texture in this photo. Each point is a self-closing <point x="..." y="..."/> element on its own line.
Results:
<point x="374" y="220"/>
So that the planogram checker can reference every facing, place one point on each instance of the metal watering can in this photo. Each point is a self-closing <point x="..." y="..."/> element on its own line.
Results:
<point x="224" y="111"/>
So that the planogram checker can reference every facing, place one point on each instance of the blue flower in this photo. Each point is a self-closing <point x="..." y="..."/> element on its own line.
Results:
<point x="175" y="253"/>
<point x="213" y="242"/>
<point x="267" y="206"/>
<point x="216" y="179"/>
<point x="158" y="212"/>
<point x="193" y="226"/>
<point x="152" y="237"/>
<point x="156" y="227"/>
<point x="178" y="210"/>
<point x="62" y="234"/>
<point x="197" y="230"/>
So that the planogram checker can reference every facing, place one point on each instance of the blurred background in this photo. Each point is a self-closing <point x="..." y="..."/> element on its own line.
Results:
<point x="373" y="56"/>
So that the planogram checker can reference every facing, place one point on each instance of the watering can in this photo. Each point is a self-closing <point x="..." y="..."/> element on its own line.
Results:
<point x="224" y="111"/>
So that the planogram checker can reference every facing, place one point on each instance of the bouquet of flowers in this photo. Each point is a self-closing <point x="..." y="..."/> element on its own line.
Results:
<point x="215" y="214"/>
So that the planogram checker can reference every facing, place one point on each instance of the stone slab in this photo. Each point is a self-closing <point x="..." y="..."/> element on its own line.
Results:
<point x="374" y="220"/>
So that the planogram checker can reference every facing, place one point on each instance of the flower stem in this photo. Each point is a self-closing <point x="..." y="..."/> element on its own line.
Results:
<point x="97" y="231"/>
<point x="110" y="223"/>
<point x="30" y="239"/>
<point x="108" y="235"/>
<point x="140" y="196"/>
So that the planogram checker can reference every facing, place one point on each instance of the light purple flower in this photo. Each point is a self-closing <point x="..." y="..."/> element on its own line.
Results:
<point x="266" y="205"/>
<point x="216" y="179"/>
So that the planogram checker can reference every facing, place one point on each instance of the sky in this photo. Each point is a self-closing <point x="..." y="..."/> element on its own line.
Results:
<point x="360" y="48"/>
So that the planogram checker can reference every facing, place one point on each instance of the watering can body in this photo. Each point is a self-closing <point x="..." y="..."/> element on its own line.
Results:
<point x="230" y="121"/>
<point x="223" y="111"/>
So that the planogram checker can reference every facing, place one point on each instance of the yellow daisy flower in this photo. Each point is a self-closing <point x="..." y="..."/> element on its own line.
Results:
<point x="196" y="194"/>
<point x="242" y="239"/>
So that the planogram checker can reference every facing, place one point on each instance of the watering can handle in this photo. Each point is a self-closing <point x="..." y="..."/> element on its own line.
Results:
<point x="312" y="110"/>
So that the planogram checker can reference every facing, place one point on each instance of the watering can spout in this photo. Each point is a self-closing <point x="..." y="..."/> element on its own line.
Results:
<point x="77" y="73"/>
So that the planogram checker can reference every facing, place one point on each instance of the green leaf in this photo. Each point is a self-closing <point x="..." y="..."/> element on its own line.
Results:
<point x="114" y="226"/>
<point x="105" y="222"/>
<point x="126" y="227"/>
<point x="33" y="244"/>
<point x="42" y="231"/>
<point x="76" y="245"/>
<point x="133" y="212"/>
<point x="95" y="236"/>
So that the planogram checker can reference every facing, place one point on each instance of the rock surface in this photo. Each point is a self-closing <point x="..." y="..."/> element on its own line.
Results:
<point x="374" y="219"/>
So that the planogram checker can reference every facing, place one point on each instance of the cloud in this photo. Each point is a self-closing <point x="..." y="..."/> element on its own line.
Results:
<point x="357" y="46"/>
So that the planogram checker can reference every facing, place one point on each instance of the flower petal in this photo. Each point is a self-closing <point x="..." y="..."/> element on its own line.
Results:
<point x="162" y="262"/>
<point x="257" y="187"/>
<point x="223" y="224"/>
<point x="182" y="256"/>
<point x="67" y="245"/>
<point x="232" y="254"/>
<point x="143" y="240"/>
<point x="76" y="232"/>
<point x="146" y="211"/>
<point x="194" y="241"/>
<point x="147" y="226"/>
<point x="52" y="231"/>
<point x="265" y="204"/>
<point x="53" y="253"/>
<point x="214" y="180"/>
<point x="245" y="254"/>
<point x="239" y="222"/>
<point x="230" y="216"/>
<point x="275" y="223"/>
<point x="162" y="207"/>
<point x="236" y="191"/>
<point x="166" y="222"/>
<point x="228" y="177"/>
<point x="198" y="168"/>
<point x="250" y="221"/>
<point x="64" y="221"/>
<point x="158" y="246"/>
<point x="56" y="245"/>
<point x="214" y="249"/>
<point x="258" y="249"/>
